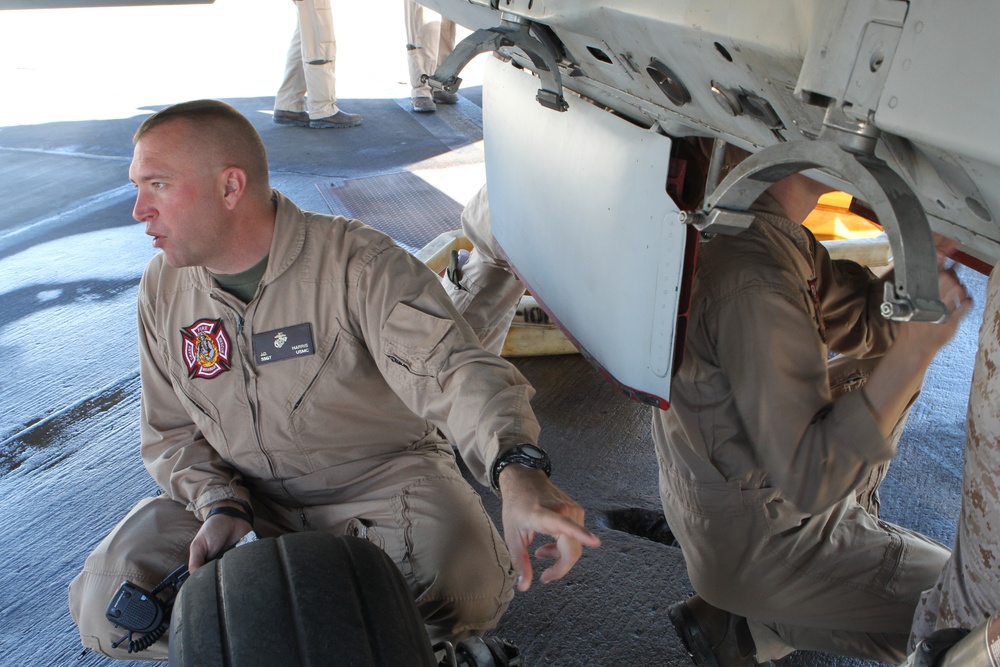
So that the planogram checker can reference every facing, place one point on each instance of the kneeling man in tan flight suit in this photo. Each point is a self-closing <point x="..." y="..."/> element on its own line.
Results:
<point x="302" y="372"/>
<point x="770" y="454"/>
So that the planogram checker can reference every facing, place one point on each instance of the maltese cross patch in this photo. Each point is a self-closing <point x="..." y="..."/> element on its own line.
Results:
<point x="206" y="349"/>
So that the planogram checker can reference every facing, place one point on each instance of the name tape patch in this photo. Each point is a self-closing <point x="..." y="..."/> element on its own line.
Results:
<point x="285" y="343"/>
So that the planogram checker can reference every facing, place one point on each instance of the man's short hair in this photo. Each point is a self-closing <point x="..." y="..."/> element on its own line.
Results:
<point x="220" y="124"/>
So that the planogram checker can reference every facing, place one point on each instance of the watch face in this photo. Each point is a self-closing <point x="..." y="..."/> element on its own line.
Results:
<point x="531" y="451"/>
<point x="525" y="455"/>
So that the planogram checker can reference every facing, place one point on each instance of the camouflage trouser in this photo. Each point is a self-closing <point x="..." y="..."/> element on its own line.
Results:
<point x="968" y="590"/>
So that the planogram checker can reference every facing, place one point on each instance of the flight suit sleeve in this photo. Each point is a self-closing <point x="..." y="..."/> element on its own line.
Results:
<point x="433" y="361"/>
<point x="851" y="300"/>
<point x="816" y="450"/>
<point x="174" y="451"/>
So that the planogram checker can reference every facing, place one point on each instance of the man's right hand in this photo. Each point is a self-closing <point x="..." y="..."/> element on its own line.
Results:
<point x="927" y="338"/>
<point x="532" y="504"/>
<point x="216" y="535"/>
<point x="899" y="374"/>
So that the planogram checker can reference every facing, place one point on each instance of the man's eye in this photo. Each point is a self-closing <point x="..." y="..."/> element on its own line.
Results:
<point x="156" y="185"/>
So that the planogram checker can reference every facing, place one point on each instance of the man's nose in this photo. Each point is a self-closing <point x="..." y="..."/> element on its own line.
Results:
<point x="141" y="210"/>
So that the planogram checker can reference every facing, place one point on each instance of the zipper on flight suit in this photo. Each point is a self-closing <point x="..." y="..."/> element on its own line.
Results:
<point x="239" y="343"/>
<point x="818" y="314"/>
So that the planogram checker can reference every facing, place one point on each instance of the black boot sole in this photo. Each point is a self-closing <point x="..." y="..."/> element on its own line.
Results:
<point x="694" y="640"/>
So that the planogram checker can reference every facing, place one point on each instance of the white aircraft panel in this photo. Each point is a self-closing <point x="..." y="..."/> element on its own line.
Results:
<point x="578" y="203"/>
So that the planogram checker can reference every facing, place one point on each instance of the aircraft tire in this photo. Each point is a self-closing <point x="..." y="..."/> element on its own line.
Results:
<point x="306" y="599"/>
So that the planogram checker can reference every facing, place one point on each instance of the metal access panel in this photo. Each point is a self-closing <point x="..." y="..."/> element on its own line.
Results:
<point x="578" y="203"/>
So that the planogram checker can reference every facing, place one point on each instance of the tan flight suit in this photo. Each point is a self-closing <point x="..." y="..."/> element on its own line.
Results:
<point x="430" y="39"/>
<point x="968" y="591"/>
<point x="764" y="446"/>
<point x="310" y="81"/>
<point x="344" y="436"/>
<point x="488" y="291"/>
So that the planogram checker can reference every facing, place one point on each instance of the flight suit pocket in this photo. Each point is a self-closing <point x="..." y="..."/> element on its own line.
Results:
<point x="416" y="345"/>
<point x="203" y="413"/>
<point x="313" y="376"/>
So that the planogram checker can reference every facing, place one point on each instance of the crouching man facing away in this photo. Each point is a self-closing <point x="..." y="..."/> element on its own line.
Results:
<point x="770" y="455"/>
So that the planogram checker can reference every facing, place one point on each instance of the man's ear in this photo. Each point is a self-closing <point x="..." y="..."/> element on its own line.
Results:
<point x="234" y="182"/>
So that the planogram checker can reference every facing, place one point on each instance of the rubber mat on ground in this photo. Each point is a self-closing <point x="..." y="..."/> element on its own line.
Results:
<point x="402" y="205"/>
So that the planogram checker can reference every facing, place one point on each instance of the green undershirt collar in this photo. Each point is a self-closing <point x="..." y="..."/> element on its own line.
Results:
<point x="242" y="285"/>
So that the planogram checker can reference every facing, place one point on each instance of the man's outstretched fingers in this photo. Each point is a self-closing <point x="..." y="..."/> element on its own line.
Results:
<point x="560" y="526"/>
<point x="568" y="552"/>
<point x="532" y="505"/>
<point x="522" y="564"/>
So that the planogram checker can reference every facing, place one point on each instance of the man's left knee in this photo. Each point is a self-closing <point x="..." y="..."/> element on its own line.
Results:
<point x="467" y="600"/>
<point x="455" y="560"/>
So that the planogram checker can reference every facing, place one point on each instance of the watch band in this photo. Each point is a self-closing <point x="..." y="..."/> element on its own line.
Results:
<point x="525" y="455"/>
<point x="230" y="511"/>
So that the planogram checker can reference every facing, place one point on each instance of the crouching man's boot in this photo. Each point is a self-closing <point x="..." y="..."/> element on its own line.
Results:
<point x="713" y="637"/>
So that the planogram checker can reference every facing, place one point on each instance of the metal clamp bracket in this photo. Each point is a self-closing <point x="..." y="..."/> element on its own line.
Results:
<point x="914" y="294"/>
<point x="513" y="31"/>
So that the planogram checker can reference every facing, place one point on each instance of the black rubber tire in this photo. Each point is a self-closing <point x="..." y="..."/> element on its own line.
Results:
<point x="303" y="599"/>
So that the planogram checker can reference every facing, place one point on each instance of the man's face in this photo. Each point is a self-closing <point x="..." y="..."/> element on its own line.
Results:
<point x="180" y="196"/>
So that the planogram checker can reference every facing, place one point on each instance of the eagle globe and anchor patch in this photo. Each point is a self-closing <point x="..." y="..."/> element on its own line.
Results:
<point x="285" y="343"/>
<point x="206" y="349"/>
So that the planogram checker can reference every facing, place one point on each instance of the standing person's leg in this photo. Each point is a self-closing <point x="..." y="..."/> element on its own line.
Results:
<point x="446" y="44"/>
<point x="319" y="63"/>
<point x="446" y="40"/>
<point x="319" y="56"/>
<point x="290" y="100"/>
<point x="968" y="590"/>
<point x="422" y="35"/>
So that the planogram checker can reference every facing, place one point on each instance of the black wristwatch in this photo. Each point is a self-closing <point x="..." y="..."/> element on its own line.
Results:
<point x="525" y="455"/>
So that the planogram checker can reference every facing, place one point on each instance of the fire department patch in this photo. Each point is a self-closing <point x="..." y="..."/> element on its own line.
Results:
<point x="206" y="349"/>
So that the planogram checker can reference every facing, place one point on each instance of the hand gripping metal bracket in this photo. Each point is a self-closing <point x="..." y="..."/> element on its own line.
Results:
<point x="914" y="295"/>
<point x="512" y="31"/>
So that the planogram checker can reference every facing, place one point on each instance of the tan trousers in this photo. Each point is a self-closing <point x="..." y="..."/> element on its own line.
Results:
<point x="310" y="82"/>
<point x="968" y="590"/>
<point x="842" y="581"/>
<point x="918" y="556"/>
<point x="430" y="39"/>
<point x="418" y="509"/>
